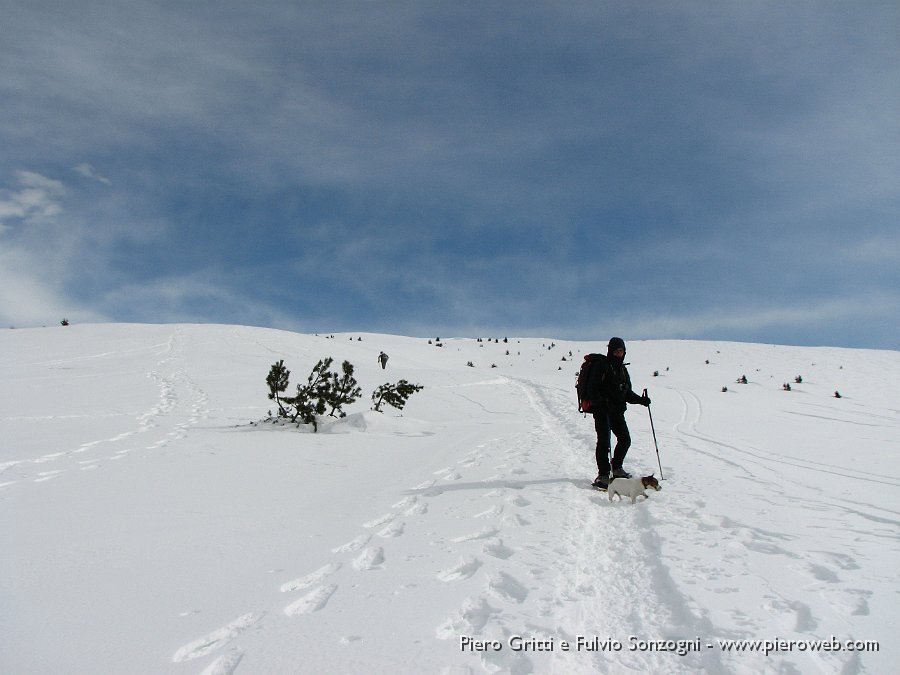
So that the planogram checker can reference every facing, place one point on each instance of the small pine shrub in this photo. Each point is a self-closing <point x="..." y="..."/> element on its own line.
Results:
<point x="312" y="398"/>
<point x="342" y="390"/>
<point x="323" y="389"/>
<point x="277" y="381"/>
<point x="395" y="395"/>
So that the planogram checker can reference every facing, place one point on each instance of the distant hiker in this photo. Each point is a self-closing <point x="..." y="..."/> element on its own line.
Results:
<point x="608" y="391"/>
<point x="383" y="359"/>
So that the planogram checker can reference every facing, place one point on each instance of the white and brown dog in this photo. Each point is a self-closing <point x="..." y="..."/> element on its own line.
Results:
<point x="632" y="487"/>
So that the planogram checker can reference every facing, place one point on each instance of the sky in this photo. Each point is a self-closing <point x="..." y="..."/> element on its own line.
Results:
<point x="689" y="170"/>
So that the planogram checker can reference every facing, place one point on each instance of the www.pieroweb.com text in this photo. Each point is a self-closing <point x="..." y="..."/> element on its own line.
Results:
<point x="679" y="647"/>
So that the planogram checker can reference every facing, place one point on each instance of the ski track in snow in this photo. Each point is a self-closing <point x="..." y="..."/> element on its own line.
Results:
<point x="181" y="404"/>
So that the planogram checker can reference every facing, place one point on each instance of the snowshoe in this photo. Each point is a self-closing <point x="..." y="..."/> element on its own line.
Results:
<point x="601" y="483"/>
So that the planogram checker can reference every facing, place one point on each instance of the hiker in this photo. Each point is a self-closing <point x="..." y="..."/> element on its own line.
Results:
<point x="609" y="391"/>
<point x="383" y="359"/>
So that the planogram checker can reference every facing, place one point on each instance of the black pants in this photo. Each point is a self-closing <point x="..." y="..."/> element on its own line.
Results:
<point x="606" y="422"/>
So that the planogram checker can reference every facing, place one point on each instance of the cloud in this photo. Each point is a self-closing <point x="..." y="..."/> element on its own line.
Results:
<point x="31" y="295"/>
<point x="201" y="296"/>
<point x="879" y="249"/>
<point x="35" y="199"/>
<point x="88" y="171"/>
<point x="749" y="323"/>
<point x="41" y="251"/>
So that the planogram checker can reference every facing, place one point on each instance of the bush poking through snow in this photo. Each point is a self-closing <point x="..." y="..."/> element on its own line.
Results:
<point x="328" y="391"/>
<point x="395" y="395"/>
<point x="343" y="390"/>
<point x="277" y="382"/>
<point x="312" y="398"/>
<point x="323" y="388"/>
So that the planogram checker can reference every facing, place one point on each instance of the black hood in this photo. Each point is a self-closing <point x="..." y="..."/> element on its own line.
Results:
<point x="614" y="344"/>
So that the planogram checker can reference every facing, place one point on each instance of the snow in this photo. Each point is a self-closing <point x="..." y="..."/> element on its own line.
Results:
<point x="152" y="522"/>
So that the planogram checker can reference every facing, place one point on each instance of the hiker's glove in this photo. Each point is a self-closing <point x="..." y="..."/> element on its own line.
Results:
<point x="645" y="400"/>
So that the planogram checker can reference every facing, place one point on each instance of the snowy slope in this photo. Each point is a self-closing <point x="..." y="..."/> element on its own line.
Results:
<point x="146" y="526"/>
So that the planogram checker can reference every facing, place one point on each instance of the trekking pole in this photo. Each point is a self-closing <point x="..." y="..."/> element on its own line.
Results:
<point x="655" y="444"/>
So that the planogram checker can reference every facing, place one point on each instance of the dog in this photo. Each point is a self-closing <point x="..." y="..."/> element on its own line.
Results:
<point x="632" y="487"/>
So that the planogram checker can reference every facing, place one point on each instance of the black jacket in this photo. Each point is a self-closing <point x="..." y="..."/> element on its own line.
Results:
<point x="609" y="385"/>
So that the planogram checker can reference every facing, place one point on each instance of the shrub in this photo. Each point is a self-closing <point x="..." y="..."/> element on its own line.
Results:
<point x="395" y="395"/>
<point x="323" y="388"/>
<point x="312" y="398"/>
<point x="277" y="382"/>
<point x="343" y="390"/>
